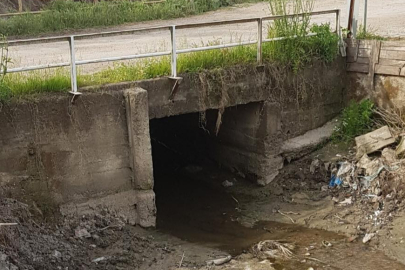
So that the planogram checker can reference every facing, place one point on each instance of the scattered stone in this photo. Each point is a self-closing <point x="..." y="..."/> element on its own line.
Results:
<point x="351" y="239"/>
<point x="227" y="183"/>
<point x="346" y="201"/>
<point x="314" y="165"/>
<point x="324" y="188"/>
<point x="56" y="254"/>
<point x="80" y="233"/>
<point x="368" y="237"/>
<point x="100" y="259"/>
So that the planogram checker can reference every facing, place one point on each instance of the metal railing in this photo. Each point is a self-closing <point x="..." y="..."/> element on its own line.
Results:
<point x="173" y="52"/>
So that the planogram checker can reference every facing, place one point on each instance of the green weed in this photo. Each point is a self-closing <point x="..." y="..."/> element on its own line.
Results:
<point x="356" y="119"/>
<point x="297" y="50"/>
<point x="369" y="34"/>
<point x="64" y="15"/>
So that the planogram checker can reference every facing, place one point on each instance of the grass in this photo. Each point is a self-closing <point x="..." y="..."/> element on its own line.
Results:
<point x="369" y="34"/>
<point x="356" y="120"/>
<point x="67" y="15"/>
<point x="21" y="84"/>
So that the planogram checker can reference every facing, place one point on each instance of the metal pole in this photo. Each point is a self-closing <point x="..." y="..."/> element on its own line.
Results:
<point x="259" y="41"/>
<point x="73" y="74"/>
<point x="174" y="53"/>
<point x="351" y="14"/>
<point x="365" y="16"/>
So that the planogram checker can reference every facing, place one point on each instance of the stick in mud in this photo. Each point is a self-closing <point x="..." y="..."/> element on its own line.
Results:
<point x="8" y="224"/>
<point x="181" y="261"/>
<point x="281" y="213"/>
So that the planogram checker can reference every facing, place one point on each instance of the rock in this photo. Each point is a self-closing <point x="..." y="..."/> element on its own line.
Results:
<point x="368" y="237"/>
<point x="3" y="257"/>
<point x="227" y="183"/>
<point x="346" y="201"/>
<point x="99" y="259"/>
<point x="80" y="233"/>
<point x="324" y="188"/>
<point x="314" y="165"/>
<point x="56" y="254"/>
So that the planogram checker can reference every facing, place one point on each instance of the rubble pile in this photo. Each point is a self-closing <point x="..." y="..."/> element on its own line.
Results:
<point x="372" y="180"/>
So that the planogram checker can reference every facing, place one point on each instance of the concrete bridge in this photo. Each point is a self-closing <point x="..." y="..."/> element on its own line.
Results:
<point x="96" y="153"/>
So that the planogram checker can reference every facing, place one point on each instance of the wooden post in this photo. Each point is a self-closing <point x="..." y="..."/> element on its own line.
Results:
<point x="20" y="6"/>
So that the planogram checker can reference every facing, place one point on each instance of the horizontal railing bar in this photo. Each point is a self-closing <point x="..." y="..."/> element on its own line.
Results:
<point x="222" y="46"/>
<point x="282" y="38"/>
<point x="31" y="68"/>
<point x="119" y="58"/>
<point x="183" y="26"/>
<point x="7" y="15"/>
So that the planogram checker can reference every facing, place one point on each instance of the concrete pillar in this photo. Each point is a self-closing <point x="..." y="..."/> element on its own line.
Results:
<point x="136" y="103"/>
<point x="249" y="141"/>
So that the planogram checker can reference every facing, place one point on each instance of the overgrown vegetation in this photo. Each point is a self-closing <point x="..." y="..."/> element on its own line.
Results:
<point x="4" y="59"/>
<point x="63" y="15"/>
<point x="356" y="120"/>
<point x="298" y="49"/>
<point x="369" y="34"/>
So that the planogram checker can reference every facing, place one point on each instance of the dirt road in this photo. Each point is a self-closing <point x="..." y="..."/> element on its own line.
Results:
<point x="384" y="16"/>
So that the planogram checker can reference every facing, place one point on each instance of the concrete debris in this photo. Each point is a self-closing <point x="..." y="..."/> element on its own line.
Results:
<point x="373" y="141"/>
<point x="368" y="237"/>
<point x="227" y="183"/>
<point x="82" y="233"/>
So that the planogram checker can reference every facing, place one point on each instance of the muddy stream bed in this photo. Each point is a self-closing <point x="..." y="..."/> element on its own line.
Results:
<point x="195" y="207"/>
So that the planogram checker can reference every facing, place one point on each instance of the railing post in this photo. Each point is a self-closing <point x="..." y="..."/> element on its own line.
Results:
<point x="174" y="53"/>
<point x="259" y="41"/>
<point x="338" y="22"/>
<point x="73" y="73"/>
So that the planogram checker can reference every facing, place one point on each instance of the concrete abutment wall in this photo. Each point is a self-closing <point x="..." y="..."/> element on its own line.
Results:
<point x="96" y="153"/>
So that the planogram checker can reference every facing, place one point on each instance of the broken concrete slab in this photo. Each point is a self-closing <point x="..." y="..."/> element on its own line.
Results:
<point x="373" y="141"/>
<point x="299" y="146"/>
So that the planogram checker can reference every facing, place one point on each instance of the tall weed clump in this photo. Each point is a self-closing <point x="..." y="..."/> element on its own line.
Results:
<point x="297" y="49"/>
<point x="356" y="120"/>
<point x="4" y="59"/>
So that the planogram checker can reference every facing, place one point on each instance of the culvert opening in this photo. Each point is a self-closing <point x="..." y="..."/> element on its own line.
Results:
<point x="191" y="201"/>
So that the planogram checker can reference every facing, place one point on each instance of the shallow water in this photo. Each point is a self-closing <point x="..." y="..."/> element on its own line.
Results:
<point x="196" y="208"/>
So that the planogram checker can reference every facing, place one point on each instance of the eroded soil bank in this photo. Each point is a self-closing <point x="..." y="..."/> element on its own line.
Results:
<point x="206" y="213"/>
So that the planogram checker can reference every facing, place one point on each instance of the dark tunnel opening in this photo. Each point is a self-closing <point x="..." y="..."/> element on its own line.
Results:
<point x="191" y="201"/>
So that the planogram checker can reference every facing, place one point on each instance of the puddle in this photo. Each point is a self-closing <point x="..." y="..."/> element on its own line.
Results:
<point x="202" y="212"/>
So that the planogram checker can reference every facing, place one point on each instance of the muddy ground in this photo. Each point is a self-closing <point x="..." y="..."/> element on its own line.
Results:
<point x="199" y="219"/>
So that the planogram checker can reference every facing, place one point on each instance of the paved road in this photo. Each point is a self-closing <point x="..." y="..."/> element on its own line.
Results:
<point x="386" y="17"/>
